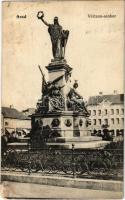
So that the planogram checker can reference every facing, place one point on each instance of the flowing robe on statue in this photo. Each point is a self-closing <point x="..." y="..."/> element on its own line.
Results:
<point x="58" y="38"/>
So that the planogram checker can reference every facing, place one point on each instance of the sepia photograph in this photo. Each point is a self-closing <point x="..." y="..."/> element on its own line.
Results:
<point x="62" y="107"/>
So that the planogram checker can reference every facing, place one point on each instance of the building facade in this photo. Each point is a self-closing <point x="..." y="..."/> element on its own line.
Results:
<point x="107" y="110"/>
<point x="14" y="121"/>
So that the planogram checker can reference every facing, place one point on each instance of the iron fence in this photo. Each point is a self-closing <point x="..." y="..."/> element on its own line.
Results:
<point x="88" y="163"/>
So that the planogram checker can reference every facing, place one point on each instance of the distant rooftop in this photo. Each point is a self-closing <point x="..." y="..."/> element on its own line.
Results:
<point x="28" y="111"/>
<point x="113" y="98"/>
<point x="13" y="113"/>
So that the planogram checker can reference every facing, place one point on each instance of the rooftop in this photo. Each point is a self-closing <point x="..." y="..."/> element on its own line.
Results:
<point x="28" y="111"/>
<point x="113" y="98"/>
<point x="13" y="113"/>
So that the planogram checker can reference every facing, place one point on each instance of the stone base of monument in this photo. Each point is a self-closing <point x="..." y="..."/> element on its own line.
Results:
<point x="67" y="128"/>
<point x="64" y="124"/>
<point x="86" y="142"/>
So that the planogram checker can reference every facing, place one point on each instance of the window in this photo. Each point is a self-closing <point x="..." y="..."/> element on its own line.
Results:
<point x="106" y="121"/>
<point x="112" y="132"/>
<point x="99" y="112"/>
<point x="117" y="111"/>
<point x="99" y="121"/>
<point x="112" y="121"/>
<point x="112" y="111"/>
<point x="94" y="121"/>
<point x="122" y="111"/>
<point x="117" y="132"/>
<point x="122" y="119"/>
<point x="94" y="112"/>
<point x="117" y="120"/>
<point x="105" y="111"/>
<point x="6" y="123"/>
<point x="90" y="112"/>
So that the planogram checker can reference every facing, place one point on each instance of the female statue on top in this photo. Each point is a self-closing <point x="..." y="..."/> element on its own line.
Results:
<point x="58" y="37"/>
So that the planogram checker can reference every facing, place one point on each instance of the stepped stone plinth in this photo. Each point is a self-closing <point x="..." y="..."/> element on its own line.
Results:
<point x="79" y="145"/>
<point x="72" y="139"/>
<point x="21" y="144"/>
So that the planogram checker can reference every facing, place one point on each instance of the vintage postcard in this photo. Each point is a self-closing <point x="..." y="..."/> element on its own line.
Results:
<point x="62" y="112"/>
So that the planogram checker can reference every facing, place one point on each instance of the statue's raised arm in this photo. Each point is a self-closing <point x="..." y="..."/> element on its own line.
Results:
<point x="40" y="15"/>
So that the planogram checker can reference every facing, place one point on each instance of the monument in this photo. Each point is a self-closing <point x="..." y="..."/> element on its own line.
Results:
<point x="61" y="117"/>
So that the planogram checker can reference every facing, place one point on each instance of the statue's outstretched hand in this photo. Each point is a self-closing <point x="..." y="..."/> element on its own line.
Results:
<point x="40" y="15"/>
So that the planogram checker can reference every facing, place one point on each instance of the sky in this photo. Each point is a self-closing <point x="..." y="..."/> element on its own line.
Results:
<point x="94" y="49"/>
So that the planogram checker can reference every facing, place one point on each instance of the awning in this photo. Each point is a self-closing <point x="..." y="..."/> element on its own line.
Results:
<point x="9" y="130"/>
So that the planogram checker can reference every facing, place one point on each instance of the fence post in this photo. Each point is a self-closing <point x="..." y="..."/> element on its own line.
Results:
<point x="73" y="162"/>
<point x="29" y="162"/>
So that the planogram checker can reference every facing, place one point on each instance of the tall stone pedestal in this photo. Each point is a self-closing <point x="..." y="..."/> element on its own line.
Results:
<point x="57" y="69"/>
<point x="61" y="118"/>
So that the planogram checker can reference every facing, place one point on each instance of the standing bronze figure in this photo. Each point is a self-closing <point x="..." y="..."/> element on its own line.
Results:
<point x="58" y="37"/>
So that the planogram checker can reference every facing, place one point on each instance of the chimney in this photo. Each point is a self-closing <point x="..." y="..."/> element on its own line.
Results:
<point x="11" y="106"/>
<point x="115" y="92"/>
<point x="101" y="93"/>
